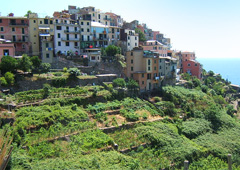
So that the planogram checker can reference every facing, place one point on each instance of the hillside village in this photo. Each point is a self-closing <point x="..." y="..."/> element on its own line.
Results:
<point x="79" y="34"/>
<point x="83" y="89"/>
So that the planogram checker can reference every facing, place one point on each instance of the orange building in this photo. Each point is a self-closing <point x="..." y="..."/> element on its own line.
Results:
<point x="149" y="69"/>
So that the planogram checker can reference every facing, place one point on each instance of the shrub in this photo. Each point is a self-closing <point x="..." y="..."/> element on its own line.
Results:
<point x="9" y="77"/>
<point x="74" y="72"/>
<point x="119" y="82"/>
<point x="59" y="82"/>
<point x="65" y="69"/>
<point x="3" y="81"/>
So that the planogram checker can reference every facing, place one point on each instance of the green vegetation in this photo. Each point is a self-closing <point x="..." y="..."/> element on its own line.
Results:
<point x="96" y="127"/>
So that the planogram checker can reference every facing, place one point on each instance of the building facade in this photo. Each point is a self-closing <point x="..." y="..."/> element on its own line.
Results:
<point x="15" y="29"/>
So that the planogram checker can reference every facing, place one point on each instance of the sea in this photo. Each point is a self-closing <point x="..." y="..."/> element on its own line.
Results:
<point x="229" y="68"/>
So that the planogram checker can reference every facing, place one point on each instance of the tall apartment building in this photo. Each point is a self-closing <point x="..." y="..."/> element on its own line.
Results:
<point x="149" y="69"/>
<point x="67" y="36"/>
<point x="41" y="35"/>
<point x="128" y="40"/>
<point x="15" y="29"/>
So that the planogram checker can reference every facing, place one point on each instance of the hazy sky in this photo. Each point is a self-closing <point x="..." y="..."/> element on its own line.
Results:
<point x="211" y="28"/>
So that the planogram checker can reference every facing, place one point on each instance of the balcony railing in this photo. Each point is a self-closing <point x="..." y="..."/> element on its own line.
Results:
<point x="19" y="24"/>
<point x="70" y="39"/>
<point x="71" y="32"/>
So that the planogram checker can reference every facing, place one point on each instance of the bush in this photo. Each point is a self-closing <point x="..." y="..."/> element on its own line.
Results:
<point x="9" y="77"/>
<point x="74" y="72"/>
<point x="119" y="82"/>
<point x="3" y="81"/>
<point x="65" y="69"/>
<point x="59" y="82"/>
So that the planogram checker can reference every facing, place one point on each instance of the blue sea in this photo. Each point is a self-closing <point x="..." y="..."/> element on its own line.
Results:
<point x="229" y="68"/>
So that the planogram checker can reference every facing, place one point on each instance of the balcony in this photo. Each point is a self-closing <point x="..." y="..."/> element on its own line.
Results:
<point x="70" y="39"/>
<point x="20" y="41"/>
<point x="18" y="24"/>
<point x="71" y="32"/>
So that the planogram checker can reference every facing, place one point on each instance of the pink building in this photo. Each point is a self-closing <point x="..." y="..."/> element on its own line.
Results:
<point x="155" y="33"/>
<point x="15" y="29"/>
<point x="190" y="65"/>
<point x="155" y="46"/>
<point x="6" y="48"/>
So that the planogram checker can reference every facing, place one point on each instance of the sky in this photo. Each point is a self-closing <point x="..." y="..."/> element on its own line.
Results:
<point x="210" y="28"/>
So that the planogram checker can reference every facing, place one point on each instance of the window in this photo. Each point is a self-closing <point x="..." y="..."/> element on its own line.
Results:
<point x="112" y="36"/>
<point x="87" y="23"/>
<point x="13" y="29"/>
<point x="131" y="68"/>
<point x="131" y="53"/>
<point x="160" y="67"/>
<point x="14" y="37"/>
<point x="136" y="44"/>
<point x="189" y="65"/>
<point x="23" y="38"/>
<point x="59" y="28"/>
<point x="128" y="44"/>
<point x="75" y="44"/>
<point x="1" y="29"/>
<point x="149" y="68"/>
<point x="155" y="61"/>
<point x="59" y="35"/>
<point x="45" y="21"/>
<point x="149" y="62"/>
<point x="155" y="68"/>
<point x="106" y="23"/>
<point x="135" y="38"/>
<point x="93" y="14"/>
<point x="149" y="76"/>
<point x="51" y="21"/>
<point x="160" y="60"/>
<point x="2" y="36"/>
<point x="196" y="65"/>
<point x="23" y="31"/>
<point x="40" y="22"/>
<point x="56" y="20"/>
<point x="47" y="55"/>
<point x="128" y="38"/>
<point x="34" y="21"/>
<point x="82" y="23"/>
<point x="59" y="43"/>
<point x="67" y="43"/>
<point x="131" y="75"/>
<point x="75" y="28"/>
<point x="142" y="75"/>
<point x="99" y="16"/>
<point x="34" y="29"/>
<point x="82" y="29"/>
<point x="131" y="61"/>
<point x="47" y="45"/>
<point x="142" y="82"/>
<point x="6" y="52"/>
<point x="22" y="21"/>
<point x="88" y="30"/>
<point x="0" y="20"/>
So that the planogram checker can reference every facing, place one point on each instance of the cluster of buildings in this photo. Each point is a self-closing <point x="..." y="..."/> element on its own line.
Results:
<point x="84" y="31"/>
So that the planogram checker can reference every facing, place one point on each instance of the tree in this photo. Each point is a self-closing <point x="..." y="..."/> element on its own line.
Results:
<point x="140" y="34"/>
<point x="36" y="62"/>
<point x="25" y="64"/>
<point x="112" y="50"/>
<point x="119" y="82"/>
<point x="132" y="86"/>
<point x="45" y="67"/>
<point x="9" y="77"/>
<point x="8" y="64"/>
<point x="28" y="12"/>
